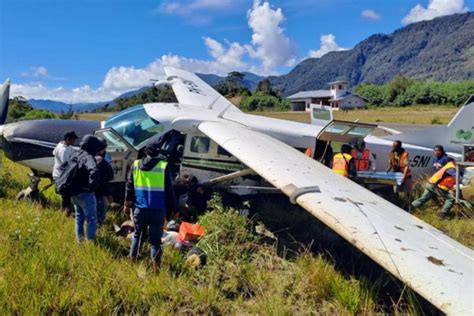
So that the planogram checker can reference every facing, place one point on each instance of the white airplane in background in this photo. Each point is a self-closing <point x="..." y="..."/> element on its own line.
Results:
<point x="204" y="131"/>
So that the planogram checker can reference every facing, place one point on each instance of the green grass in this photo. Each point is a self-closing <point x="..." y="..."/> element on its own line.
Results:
<point x="44" y="271"/>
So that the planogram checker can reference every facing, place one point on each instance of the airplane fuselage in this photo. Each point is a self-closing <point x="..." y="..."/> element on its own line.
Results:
<point x="31" y="143"/>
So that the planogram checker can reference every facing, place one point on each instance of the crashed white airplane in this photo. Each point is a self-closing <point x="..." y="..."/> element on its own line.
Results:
<point x="432" y="264"/>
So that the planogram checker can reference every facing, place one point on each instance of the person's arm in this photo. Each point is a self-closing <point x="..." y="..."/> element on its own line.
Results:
<point x="352" y="168"/>
<point x="108" y="175"/>
<point x="129" y="193"/>
<point x="171" y="204"/>
<point x="93" y="172"/>
<point x="390" y="167"/>
<point x="405" y="169"/>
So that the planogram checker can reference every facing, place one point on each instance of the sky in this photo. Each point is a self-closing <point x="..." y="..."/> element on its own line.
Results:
<point x="94" y="50"/>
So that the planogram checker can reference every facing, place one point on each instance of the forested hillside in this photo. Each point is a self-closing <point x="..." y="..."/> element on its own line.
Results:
<point x="441" y="49"/>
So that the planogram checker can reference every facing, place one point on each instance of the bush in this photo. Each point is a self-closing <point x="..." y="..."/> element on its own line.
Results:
<point x="37" y="114"/>
<point x="402" y="91"/>
<point x="260" y="102"/>
<point x="436" y="120"/>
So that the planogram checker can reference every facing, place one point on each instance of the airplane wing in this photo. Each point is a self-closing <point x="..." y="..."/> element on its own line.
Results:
<point x="432" y="264"/>
<point x="192" y="90"/>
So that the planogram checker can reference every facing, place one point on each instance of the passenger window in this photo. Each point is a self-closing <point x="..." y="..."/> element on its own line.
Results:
<point x="222" y="152"/>
<point x="200" y="144"/>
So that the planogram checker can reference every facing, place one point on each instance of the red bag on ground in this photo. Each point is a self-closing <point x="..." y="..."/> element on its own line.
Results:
<point x="190" y="232"/>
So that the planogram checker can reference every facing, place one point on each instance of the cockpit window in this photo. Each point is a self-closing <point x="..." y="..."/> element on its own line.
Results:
<point x="134" y="125"/>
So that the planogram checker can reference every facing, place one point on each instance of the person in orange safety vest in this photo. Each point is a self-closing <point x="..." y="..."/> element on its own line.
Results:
<point x="343" y="163"/>
<point x="400" y="162"/>
<point x="361" y="155"/>
<point x="440" y="183"/>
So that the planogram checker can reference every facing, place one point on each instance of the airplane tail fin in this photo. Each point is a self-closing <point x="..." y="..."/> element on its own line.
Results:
<point x="458" y="132"/>
<point x="4" y="100"/>
<point x="461" y="126"/>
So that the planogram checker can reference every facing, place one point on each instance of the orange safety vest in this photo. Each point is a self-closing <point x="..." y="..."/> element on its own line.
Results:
<point x="340" y="164"/>
<point x="399" y="164"/>
<point x="362" y="164"/>
<point x="444" y="181"/>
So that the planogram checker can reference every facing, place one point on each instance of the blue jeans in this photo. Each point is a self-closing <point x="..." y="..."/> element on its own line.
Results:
<point x="85" y="205"/>
<point x="102" y="206"/>
<point x="154" y="220"/>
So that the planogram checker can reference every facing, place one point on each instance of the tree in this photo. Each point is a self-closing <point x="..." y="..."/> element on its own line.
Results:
<point x="18" y="108"/>
<point x="265" y="87"/>
<point x="68" y="114"/>
<point x="232" y="85"/>
<point x="398" y="86"/>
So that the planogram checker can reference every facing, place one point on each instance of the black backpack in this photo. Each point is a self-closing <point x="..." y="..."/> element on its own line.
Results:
<point x="69" y="171"/>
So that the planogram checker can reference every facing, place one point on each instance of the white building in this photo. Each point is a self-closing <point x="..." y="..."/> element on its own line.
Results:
<point x="337" y="97"/>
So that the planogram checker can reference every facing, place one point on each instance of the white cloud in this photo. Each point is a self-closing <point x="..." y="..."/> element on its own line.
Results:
<point x="269" y="43"/>
<point x="196" y="12"/>
<point x="37" y="71"/>
<point x="328" y="44"/>
<point x="188" y="7"/>
<point x="435" y="8"/>
<point x="36" y="90"/>
<point x="268" y="49"/>
<point x="370" y="15"/>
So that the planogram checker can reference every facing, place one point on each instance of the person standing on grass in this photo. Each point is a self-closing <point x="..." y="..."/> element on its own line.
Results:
<point x="62" y="153"/>
<point x="149" y="190"/>
<point x="103" y="194"/>
<point x="440" y="184"/>
<point x="86" y="182"/>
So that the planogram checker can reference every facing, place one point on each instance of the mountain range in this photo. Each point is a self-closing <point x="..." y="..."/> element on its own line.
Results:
<point x="440" y="49"/>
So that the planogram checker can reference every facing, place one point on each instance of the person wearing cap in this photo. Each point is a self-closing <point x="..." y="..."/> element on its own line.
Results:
<point x="361" y="156"/>
<point x="62" y="153"/>
<point x="440" y="184"/>
<point x="149" y="191"/>
<point x="103" y="193"/>
<point x="440" y="158"/>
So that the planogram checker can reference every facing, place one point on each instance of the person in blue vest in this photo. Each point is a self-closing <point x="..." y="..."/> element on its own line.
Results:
<point x="149" y="190"/>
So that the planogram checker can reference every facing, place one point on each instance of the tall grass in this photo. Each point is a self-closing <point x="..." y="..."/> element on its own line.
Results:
<point x="44" y="271"/>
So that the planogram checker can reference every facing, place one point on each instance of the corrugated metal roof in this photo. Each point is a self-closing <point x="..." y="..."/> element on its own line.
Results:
<point x="311" y="94"/>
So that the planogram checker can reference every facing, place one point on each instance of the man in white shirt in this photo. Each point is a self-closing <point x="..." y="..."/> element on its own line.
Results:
<point x="62" y="153"/>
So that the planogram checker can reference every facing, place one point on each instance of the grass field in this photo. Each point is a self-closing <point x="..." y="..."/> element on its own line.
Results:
<point x="94" y="116"/>
<point x="407" y="115"/>
<point x="44" y="271"/>
<point x="420" y="114"/>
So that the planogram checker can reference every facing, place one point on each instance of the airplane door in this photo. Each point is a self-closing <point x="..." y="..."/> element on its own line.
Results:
<point x="121" y="152"/>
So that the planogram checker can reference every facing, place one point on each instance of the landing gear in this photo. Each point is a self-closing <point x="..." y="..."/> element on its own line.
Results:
<point x="32" y="192"/>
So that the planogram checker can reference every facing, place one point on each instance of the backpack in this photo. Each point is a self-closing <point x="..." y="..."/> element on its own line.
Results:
<point x="69" y="171"/>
